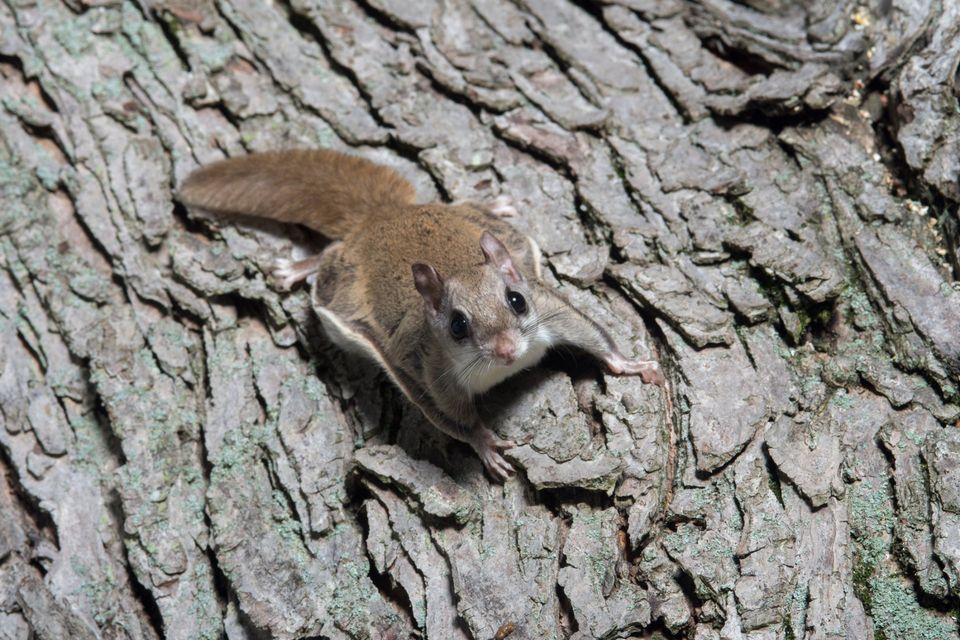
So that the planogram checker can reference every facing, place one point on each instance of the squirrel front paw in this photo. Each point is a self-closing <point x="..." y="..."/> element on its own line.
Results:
<point x="648" y="370"/>
<point x="488" y="446"/>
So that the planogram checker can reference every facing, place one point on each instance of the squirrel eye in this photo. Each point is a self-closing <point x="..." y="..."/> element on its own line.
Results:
<point x="459" y="326"/>
<point x="517" y="302"/>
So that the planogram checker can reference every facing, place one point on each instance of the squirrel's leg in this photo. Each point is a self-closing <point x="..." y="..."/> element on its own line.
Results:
<point x="287" y="273"/>
<point x="567" y="325"/>
<point x="457" y="417"/>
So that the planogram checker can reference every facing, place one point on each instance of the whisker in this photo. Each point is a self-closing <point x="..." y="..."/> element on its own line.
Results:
<point x="480" y="365"/>
<point x="531" y="328"/>
<point x="467" y="372"/>
<point x="452" y="369"/>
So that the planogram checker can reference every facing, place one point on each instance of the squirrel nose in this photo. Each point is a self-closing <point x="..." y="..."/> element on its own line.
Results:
<point x="505" y="348"/>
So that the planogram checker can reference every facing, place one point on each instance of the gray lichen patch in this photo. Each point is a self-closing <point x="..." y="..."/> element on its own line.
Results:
<point x="941" y="461"/>
<point x="602" y="598"/>
<point x="886" y="594"/>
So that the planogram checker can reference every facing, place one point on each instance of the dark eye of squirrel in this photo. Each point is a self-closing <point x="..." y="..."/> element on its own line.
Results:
<point x="459" y="326"/>
<point x="517" y="302"/>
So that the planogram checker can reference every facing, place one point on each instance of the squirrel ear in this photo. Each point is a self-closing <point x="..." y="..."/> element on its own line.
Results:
<point x="429" y="284"/>
<point x="497" y="255"/>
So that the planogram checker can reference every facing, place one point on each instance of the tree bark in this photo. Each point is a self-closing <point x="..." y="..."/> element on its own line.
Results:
<point x="762" y="195"/>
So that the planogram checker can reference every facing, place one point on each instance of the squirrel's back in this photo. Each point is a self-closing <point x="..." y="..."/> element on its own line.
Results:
<point x="325" y="190"/>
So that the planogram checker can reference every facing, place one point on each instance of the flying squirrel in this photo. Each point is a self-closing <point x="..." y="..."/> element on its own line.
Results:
<point x="447" y="298"/>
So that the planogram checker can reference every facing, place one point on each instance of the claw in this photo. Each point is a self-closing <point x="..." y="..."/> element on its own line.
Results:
<point x="487" y="446"/>
<point x="499" y="468"/>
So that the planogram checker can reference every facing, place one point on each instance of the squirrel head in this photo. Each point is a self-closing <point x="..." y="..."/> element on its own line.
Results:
<point x="483" y="318"/>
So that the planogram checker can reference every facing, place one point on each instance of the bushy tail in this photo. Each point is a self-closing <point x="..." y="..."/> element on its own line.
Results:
<point x="325" y="190"/>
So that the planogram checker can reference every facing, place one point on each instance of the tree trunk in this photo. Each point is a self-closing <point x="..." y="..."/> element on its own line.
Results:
<point x="762" y="195"/>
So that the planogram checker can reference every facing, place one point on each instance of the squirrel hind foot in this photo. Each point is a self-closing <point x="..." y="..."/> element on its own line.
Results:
<point x="502" y="207"/>
<point x="287" y="273"/>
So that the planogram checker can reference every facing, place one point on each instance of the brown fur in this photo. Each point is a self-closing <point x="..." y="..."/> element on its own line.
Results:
<point x="325" y="190"/>
<point x="444" y="236"/>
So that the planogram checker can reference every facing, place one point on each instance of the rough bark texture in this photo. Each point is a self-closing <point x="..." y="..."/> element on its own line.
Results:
<point x="763" y="194"/>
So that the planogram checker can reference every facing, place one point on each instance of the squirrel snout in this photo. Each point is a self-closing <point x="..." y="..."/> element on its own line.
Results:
<point x="505" y="347"/>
